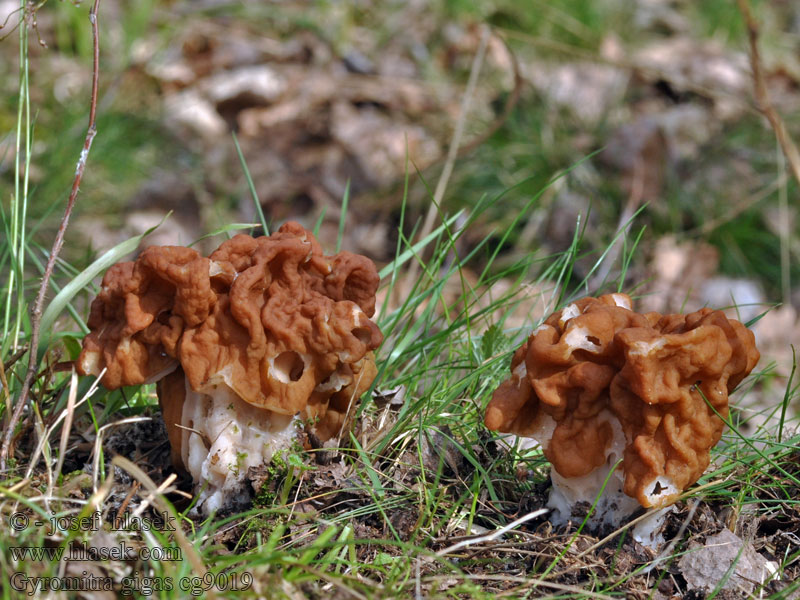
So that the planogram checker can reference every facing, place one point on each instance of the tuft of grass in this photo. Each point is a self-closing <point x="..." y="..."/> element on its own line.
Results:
<point x="14" y="246"/>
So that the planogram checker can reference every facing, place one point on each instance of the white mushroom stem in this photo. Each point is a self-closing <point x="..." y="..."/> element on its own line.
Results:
<point x="613" y="508"/>
<point x="223" y="436"/>
<point x="570" y="498"/>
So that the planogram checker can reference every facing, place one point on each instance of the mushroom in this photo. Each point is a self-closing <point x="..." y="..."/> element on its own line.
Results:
<point x="265" y="337"/>
<point x="597" y="383"/>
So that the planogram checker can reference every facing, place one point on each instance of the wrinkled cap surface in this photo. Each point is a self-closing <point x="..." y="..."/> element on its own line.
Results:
<point x="274" y="319"/>
<point x="661" y="377"/>
<point x="141" y="312"/>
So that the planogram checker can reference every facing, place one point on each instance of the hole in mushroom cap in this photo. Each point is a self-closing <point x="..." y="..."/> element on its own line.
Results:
<point x="340" y="378"/>
<point x="288" y="366"/>
<point x="660" y="490"/>
<point x="363" y="334"/>
<point x="579" y="338"/>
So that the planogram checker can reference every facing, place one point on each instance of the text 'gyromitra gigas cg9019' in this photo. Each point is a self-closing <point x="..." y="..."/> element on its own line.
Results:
<point x="597" y="382"/>
<point x="262" y="341"/>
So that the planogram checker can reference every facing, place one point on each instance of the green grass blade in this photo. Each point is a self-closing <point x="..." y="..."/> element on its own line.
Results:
<point x="345" y="202"/>
<point x="416" y="248"/>
<point x="787" y="397"/>
<point x="250" y="184"/>
<point x="83" y="279"/>
<point x="318" y="224"/>
<point x="224" y="229"/>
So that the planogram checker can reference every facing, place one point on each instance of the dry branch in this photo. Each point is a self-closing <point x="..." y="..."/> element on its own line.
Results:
<point x="763" y="101"/>
<point x="786" y="143"/>
<point x="36" y="312"/>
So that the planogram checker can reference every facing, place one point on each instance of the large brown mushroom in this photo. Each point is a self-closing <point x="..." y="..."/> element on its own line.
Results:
<point x="597" y="382"/>
<point x="262" y="337"/>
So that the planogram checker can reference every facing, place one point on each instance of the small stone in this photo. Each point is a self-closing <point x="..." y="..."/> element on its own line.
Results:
<point x="705" y="565"/>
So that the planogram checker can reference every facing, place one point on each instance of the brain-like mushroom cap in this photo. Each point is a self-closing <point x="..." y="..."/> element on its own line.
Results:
<point x="653" y="373"/>
<point x="142" y="309"/>
<point x="285" y="327"/>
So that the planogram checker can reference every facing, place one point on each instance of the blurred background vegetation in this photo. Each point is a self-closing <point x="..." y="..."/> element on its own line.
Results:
<point x="602" y="111"/>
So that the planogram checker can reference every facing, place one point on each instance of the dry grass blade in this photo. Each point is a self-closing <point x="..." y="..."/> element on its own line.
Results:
<point x="150" y="498"/>
<point x="98" y="443"/>
<point x="455" y="143"/>
<point x="762" y="94"/>
<point x="68" y="416"/>
<point x="667" y="553"/>
<point x="495" y="534"/>
<point x="156" y="495"/>
<point x="33" y="461"/>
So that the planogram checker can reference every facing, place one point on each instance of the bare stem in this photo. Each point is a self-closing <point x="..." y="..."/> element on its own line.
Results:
<point x="36" y="312"/>
<point x="762" y="95"/>
<point x="786" y="143"/>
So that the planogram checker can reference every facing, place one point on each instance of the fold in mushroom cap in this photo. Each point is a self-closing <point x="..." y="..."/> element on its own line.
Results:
<point x="596" y="365"/>
<point x="284" y="328"/>
<point x="141" y="312"/>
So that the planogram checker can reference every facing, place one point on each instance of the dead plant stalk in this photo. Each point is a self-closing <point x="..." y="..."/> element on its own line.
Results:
<point x="455" y="143"/>
<point x="762" y="94"/>
<point x="786" y="143"/>
<point x="36" y="312"/>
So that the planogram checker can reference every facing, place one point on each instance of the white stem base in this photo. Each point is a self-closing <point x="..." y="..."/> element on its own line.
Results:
<point x="223" y="437"/>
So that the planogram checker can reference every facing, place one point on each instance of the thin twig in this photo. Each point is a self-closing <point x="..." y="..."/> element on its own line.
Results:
<point x="494" y="534"/>
<point x="124" y="506"/>
<point x="36" y="312"/>
<point x="14" y="358"/>
<point x="786" y="143"/>
<point x="763" y="101"/>
<point x="623" y="227"/>
<point x="5" y="390"/>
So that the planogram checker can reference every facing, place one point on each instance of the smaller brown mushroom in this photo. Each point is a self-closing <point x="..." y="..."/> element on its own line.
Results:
<point x="597" y="382"/>
<point x="262" y="337"/>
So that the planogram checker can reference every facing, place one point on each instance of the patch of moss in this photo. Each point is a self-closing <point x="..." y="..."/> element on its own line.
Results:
<point x="280" y="475"/>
